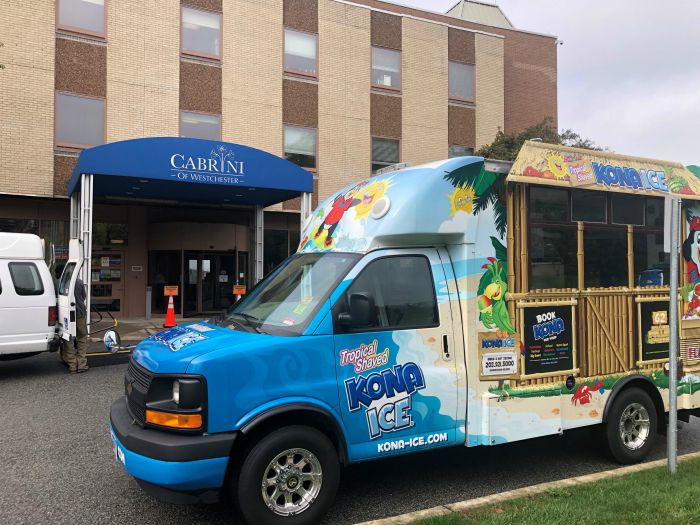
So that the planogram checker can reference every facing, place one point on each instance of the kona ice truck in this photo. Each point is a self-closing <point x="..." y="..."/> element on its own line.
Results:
<point x="404" y="323"/>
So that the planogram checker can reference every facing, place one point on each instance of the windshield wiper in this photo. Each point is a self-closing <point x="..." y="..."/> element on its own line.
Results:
<point x="250" y="320"/>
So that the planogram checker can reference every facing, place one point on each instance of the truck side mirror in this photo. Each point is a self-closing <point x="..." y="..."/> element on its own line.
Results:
<point x="361" y="311"/>
<point x="112" y="341"/>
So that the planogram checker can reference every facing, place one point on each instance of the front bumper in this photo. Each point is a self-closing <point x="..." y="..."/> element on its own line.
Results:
<point x="173" y="467"/>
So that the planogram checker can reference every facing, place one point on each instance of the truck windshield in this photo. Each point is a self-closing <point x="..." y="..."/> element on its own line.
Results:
<point x="284" y="302"/>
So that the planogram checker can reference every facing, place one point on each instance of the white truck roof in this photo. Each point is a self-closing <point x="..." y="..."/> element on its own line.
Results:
<point x="21" y="246"/>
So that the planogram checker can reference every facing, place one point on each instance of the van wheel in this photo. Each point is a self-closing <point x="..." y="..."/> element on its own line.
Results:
<point x="289" y="477"/>
<point x="630" y="431"/>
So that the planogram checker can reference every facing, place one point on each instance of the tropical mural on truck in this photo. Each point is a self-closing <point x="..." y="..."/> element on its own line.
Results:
<point x="487" y="189"/>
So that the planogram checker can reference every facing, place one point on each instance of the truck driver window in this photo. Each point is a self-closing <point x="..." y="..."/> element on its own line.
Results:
<point x="26" y="279"/>
<point x="403" y="292"/>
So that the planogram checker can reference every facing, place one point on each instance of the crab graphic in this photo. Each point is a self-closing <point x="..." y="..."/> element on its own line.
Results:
<point x="584" y="393"/>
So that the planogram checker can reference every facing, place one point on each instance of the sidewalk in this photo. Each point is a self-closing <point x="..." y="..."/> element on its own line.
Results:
<point x="134" y="330"/>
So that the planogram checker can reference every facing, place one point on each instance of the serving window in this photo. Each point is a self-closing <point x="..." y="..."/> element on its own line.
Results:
<point x="620" y="234"/>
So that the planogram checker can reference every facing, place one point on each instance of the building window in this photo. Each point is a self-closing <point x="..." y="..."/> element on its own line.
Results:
<point x="82" y="16"/>
<point x="300" y="146"/>
<point x="300" y="52"/>
<point x="461" y="81"/>
<point x="200" y="125"/>
<point x="80" y="121"/>
<point x="104" y="234"/>
<point x="201" y="33"/>
<point x="460" y="151"/>
<point x="386" y="68"/>
<point x="385" y="152"/>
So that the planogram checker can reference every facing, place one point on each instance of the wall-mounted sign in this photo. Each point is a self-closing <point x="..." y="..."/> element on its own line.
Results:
<point x="653" y="330"/>
<point x="548" y="336"/>
<point x="137" y="268"/>
<point x="542" y="163"/>
<point x="170" y="291"/>
<point x="220" y="167"/>
<point x="498" y="356"/>
<point x="239" y="289"/>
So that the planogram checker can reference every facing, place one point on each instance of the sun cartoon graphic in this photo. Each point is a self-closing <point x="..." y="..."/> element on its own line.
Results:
<point x="462" y="199"/>
<point x="368" y="196"/>
<point x="558" y="166"/>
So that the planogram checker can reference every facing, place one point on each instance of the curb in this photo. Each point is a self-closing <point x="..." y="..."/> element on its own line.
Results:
<point x="441" y="510"/>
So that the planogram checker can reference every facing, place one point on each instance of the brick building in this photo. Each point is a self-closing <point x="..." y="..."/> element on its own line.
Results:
<point x="339" y="87"/>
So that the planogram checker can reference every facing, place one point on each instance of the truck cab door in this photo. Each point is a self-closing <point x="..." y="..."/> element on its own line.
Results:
<point x="393" y="337"/>
<point x="66" y="291"/>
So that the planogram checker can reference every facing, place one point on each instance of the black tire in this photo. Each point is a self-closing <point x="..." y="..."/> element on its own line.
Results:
<point x="248" y="486"/>
<point x="628" y="449"/>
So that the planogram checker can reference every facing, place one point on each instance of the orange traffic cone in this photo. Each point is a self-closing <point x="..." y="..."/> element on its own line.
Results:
<point x="170" y="314"/>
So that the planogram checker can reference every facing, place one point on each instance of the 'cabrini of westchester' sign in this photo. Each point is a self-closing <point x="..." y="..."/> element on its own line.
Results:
<point x="219" y="168"/>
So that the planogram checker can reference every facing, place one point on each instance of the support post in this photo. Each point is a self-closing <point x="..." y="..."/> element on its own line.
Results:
<point x="86" y="205"/>
<point x="673" y="339"/>
<point x="259" y="246"/>
<point x="75" y="215"/>
<point x="579" y="257"/>
<point x="306" y="209"/>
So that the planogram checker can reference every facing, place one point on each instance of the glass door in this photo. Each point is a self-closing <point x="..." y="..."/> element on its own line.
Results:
<point x="190" y="288"/>
<point x="225" y="279"/>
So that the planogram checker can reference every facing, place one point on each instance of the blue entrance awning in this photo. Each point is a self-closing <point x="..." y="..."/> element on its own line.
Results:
<point x="190" y="170"/>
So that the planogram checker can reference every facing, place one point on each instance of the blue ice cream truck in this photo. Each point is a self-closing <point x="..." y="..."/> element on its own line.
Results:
<point x="391" y="331"/>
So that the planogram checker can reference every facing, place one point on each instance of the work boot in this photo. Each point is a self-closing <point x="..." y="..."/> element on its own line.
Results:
<point x="72" y="370"/>
<point x="84" y="369"/>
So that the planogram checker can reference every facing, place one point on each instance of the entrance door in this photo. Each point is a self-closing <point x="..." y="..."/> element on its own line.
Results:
<point x="397" y="373"/>
<point x="209" y="280"/>
<point x="190" y="288"/>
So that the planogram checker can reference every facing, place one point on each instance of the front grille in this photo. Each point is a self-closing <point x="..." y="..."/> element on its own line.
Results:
<point x="137" y="411"/>
<point x="139" y="375"/>
<point x="137" y="381"/>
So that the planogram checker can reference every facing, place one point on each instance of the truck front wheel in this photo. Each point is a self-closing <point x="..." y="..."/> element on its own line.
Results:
<point x="630" y="430"/>
<point x="289" y="477"/>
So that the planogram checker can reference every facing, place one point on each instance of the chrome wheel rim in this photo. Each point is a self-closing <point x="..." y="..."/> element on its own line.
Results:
<point x="291" y="482"/>
<point x="634" y="426"/>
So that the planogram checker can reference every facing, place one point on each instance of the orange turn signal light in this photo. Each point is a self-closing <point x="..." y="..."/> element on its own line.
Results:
<point x="168" y="419"/>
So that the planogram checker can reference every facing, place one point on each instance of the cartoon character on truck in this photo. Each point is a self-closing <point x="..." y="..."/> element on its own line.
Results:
<point x="396" y="339"/>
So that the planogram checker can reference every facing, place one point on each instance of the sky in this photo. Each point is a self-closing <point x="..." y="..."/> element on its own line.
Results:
<point x="629" y="70"/>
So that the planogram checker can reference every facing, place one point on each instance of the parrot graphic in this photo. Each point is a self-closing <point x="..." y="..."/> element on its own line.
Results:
<point x="493" y="310"/>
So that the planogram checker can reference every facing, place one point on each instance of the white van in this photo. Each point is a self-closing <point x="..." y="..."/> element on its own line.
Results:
<point x="28" y="309"/>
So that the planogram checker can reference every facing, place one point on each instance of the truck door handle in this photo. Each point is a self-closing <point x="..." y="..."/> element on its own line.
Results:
<point x="445" y="348"/>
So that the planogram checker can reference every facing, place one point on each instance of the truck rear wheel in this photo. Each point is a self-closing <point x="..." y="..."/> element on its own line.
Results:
<point x="630" y="430"/>
<point x="289" y="477"/>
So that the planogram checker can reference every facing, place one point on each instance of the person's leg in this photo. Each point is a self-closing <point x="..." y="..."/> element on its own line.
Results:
<point x="69" y="355"/>
<point x="320" y="229"/>
<point x="329" y="235"/>
<point x="82" y="341"/>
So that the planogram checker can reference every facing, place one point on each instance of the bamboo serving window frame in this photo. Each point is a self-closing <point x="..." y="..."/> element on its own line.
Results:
<point x="573" y="303"/>
<point x="527" y="223"/>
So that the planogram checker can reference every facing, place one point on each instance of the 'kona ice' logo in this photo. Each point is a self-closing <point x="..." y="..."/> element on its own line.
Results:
<point x="386" y="396"/>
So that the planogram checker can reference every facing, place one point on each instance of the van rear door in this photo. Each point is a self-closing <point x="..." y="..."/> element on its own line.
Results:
<point x="66" y="292"/>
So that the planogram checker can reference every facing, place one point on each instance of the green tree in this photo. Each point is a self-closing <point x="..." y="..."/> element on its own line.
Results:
<point x="507" y="145"/>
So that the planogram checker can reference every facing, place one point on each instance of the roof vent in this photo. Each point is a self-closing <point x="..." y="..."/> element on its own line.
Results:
<point x="393" y="167"/>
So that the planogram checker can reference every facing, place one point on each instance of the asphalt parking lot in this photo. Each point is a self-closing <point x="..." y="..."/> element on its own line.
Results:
<point x="58" y="466"/>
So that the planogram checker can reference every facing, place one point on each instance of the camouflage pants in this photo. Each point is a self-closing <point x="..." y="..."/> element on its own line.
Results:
<point x="74" y="352"/>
